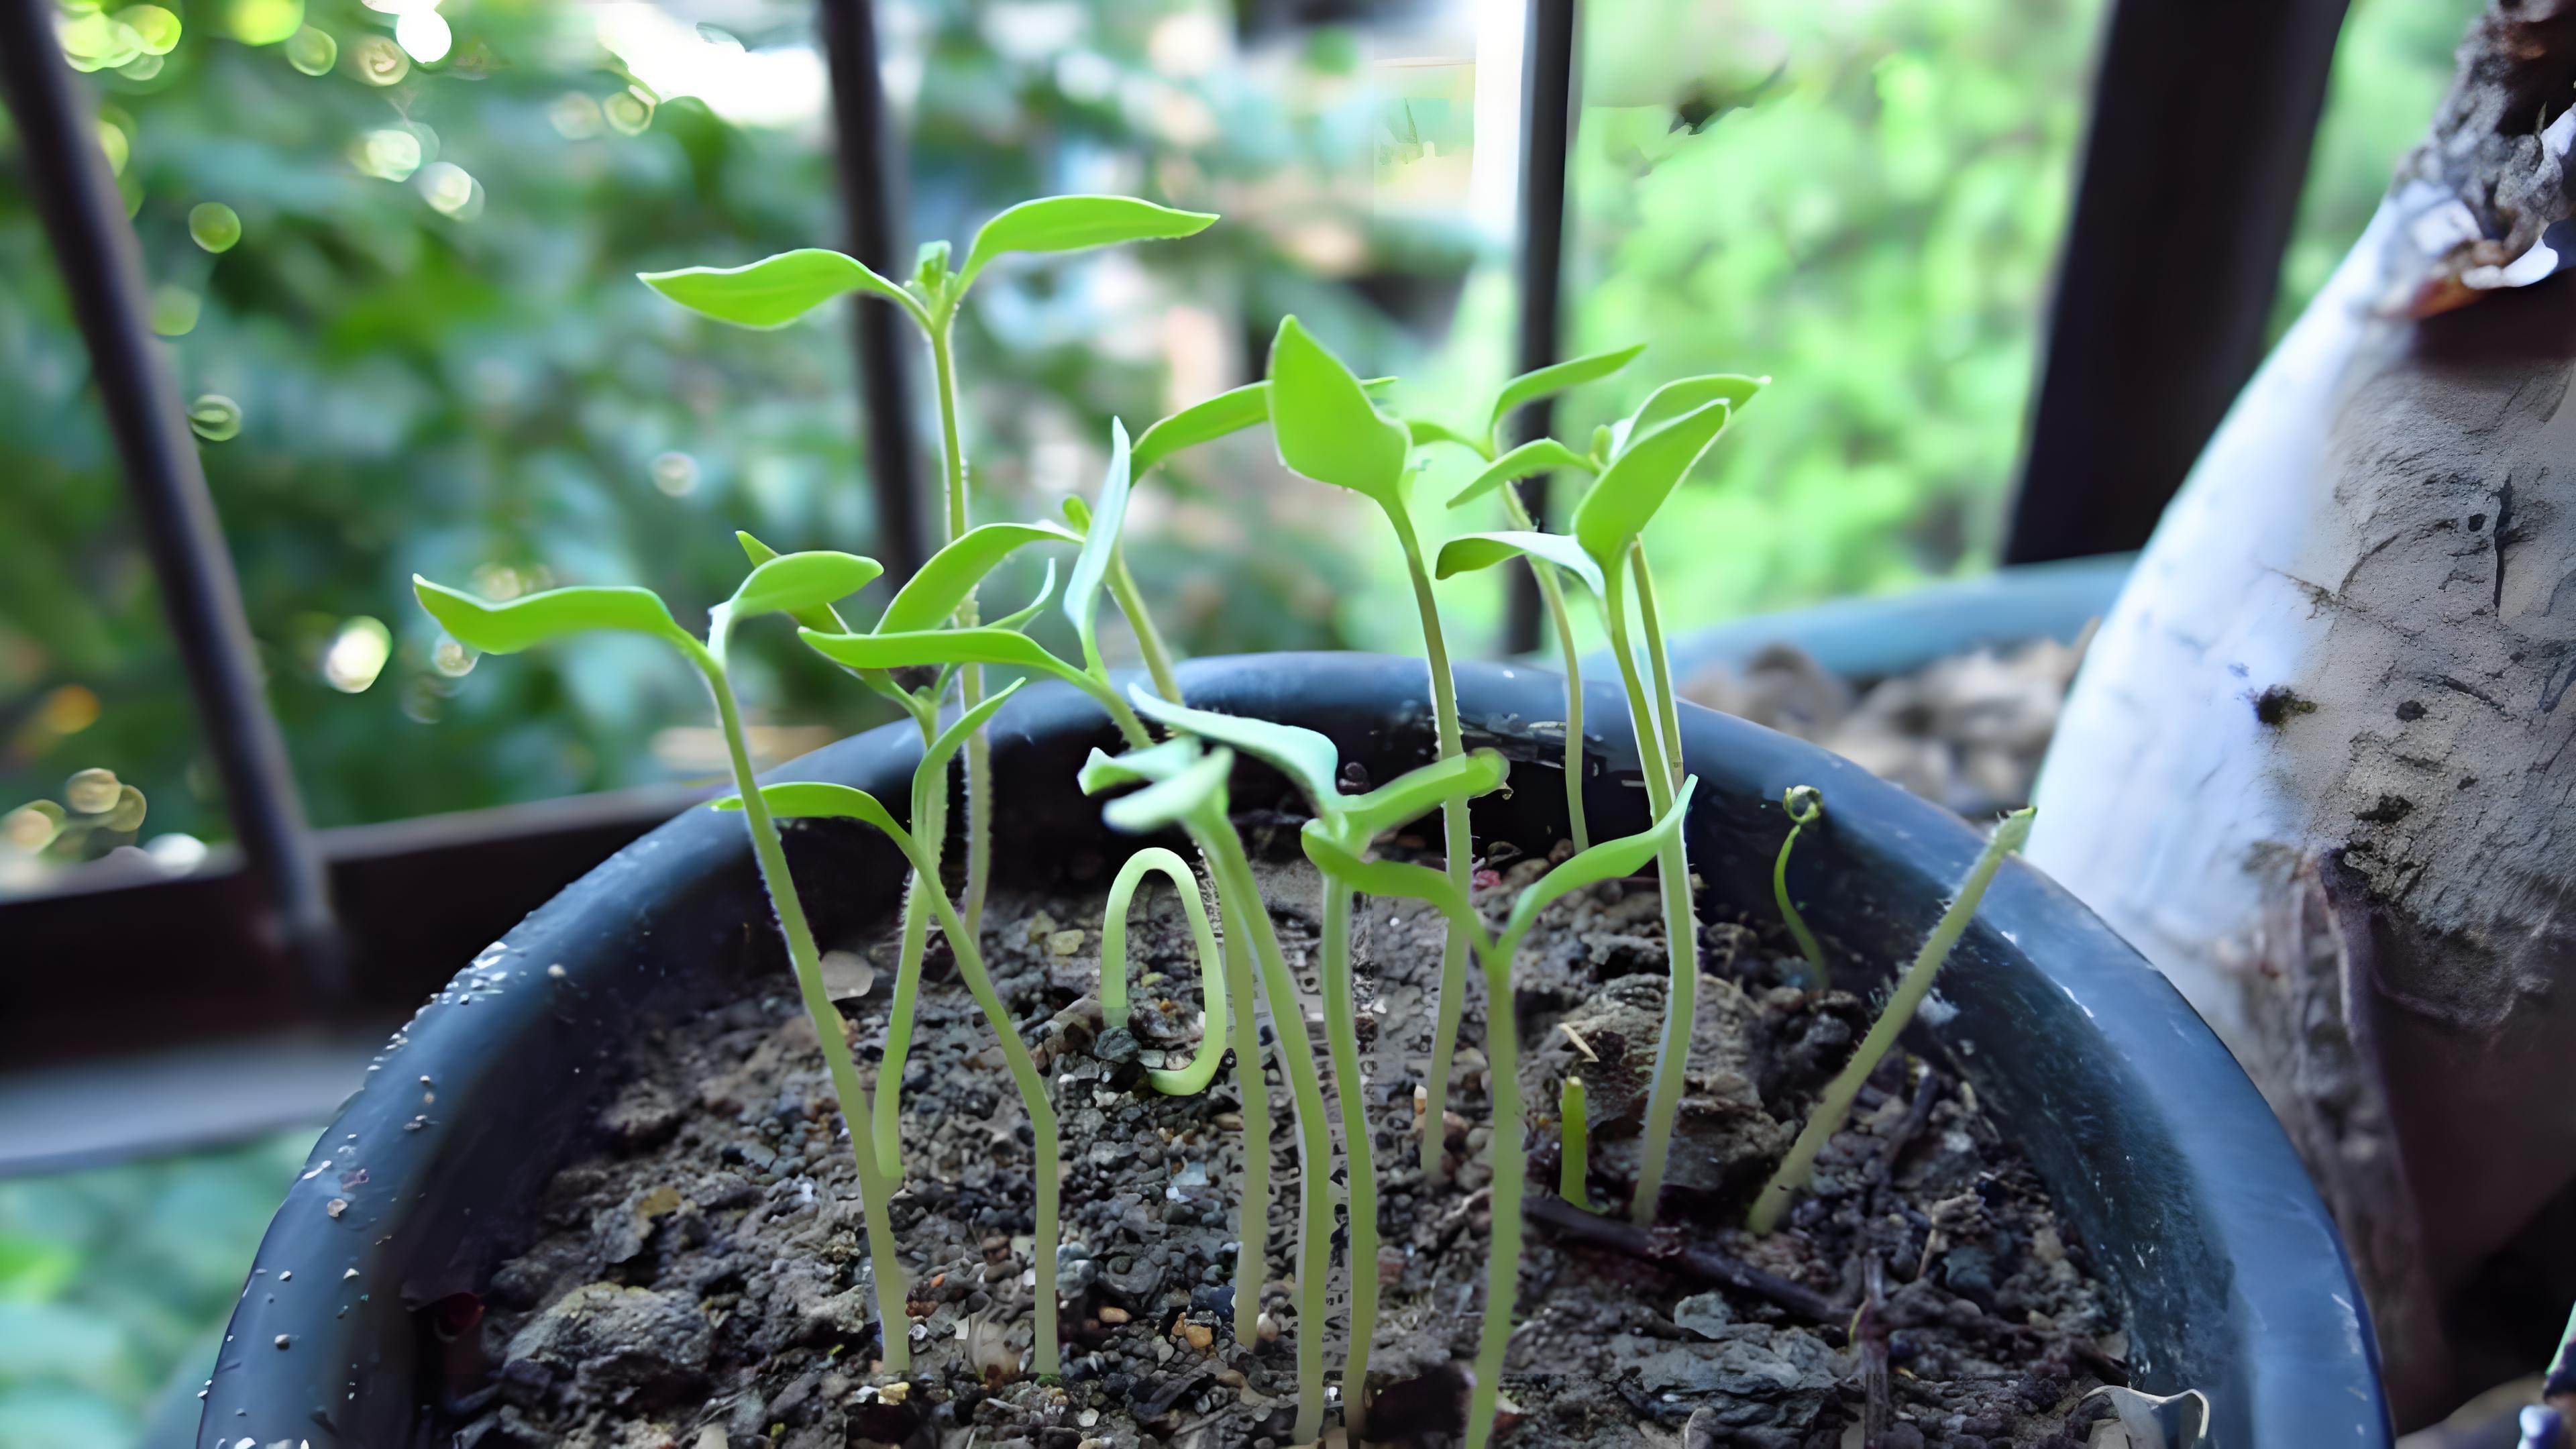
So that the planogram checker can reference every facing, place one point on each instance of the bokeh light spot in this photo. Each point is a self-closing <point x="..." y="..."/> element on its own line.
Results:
<point x="214" y="226"/>
<point x="357" y="654"/>
<point x="175" y="310"/>
<point x="388" y="155"/>
<point x="215" y="418"/>
<point x="312" y="51"/>
<point x="111" y="139"/>
<point x="378" y="61"/>
<point x="425" y="34"/>
<point x="451" y="658"/>
<point x="628" y="113"/>
<point x="451" y="190"/>
<point x="263" y="22"/>
<point x="155" y="29"/>
<point x="68" y="710"/>
<point x="676" y="474"/>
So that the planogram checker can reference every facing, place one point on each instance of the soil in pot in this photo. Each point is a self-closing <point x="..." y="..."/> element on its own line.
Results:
<point x="699" y="1279"/>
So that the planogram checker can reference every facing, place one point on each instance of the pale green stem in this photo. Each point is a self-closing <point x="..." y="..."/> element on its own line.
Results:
<point x="1239" y="896"/>
<point x="1575" y="1138"/>
<point x="1911" y="988"/>
<point x="1252" y="1214"/>
<point x="979" y="748"/>
<point x="1551" y="590"/>
<point x="894" y="1324"/>
<point x="1341" y="1037"/>
<point x="1511" y="1171"/>
<point x="1807" y="943"/>
<point x="1149" y="640"/>
<point x="1668" y="714"/>
<point x="1194" y="1078"/>
<point x="1042" y="1122"/>
<point x="1457" y="845"/>
<point x="1681" y="922"/>
<point x="930" y="832"/>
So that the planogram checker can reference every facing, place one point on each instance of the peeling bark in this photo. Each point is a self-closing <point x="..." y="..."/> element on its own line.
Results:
<point x="2318" y="764"/>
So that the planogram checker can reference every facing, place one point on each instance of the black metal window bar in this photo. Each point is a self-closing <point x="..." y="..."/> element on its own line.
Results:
<point x="2182" y="212"/>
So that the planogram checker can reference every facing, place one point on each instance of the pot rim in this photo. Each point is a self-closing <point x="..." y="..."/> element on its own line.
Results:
<point x="2153" y="1142"/>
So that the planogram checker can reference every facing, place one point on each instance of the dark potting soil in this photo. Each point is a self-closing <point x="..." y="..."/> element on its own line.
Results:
<point x="700" y="1280"/>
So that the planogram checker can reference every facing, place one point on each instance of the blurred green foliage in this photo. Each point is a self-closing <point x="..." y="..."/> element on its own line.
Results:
<point x="115" y="1282"/>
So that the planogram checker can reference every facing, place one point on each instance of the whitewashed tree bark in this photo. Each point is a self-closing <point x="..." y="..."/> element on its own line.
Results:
<point x="2318" y="765"/>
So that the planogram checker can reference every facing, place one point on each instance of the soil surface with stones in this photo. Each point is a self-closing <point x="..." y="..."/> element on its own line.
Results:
<point x="701" y="1281"/>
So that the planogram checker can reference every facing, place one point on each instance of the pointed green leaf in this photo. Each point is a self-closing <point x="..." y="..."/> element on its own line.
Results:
<point x="1199" y="788"/>
<point x="1424" y="431"/>
<point x="537" y="618"/>
<point x="797" y="583"/>
<point x="776" y="290"/>
<point x="1073" y="223"/>
<point x="1470" y="551"/>
<point x="819" y="616"/>
<point x="1393" y="879"/>
<point x="1230" y="411"/>
<point x="1624" y="500"/>
<point x="1310" y="761"/>
<point x="1538" y="455"/>
<point x="932" y="772"/>
<point x="945" y="646"/>
<point x="930" y="598"/>
<point x="1529" y="387"/>
<point x="815" y="800"/>
<point x="1138" y="767"/>
<point x="1324" y="424"/>
<point x="1681" y="396"/>
<point x="1019" y="618"/>
<point x="1609" y="860"/>
<point x="1099" y="543"/>
<point x="1418" y="792"/>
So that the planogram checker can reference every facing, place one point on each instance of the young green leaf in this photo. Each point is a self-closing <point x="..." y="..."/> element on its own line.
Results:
<point x="819" y="616"/>
<point x="1471" y="551"/>
<point x="1230" y="411"/>
<point x="935" y="757"/>
<point x="1538" y="455"/>
<point x="1424" y="431"/>
<point x="1609" y="860"/>
<point x="930" y="598"/>
<point x="1324" y="424"/>
<point x="1624" y="500"/>
<point x="776" y="290"/>
<point x="1391" y="878"/>
<point x="1104" y="771"/>
<point x="1099" y="544"/>
<point x="1309" y="760"/>
<point x="1529" y="387"/>
<point x="800" y="583"/>
<point x="1679" y="397"/>
<point x="1019" y="617"/>
<point x="947" y="646"/>
<point x="1073" y="223"/>
<point x="813" y="799"/>
<point x="1418" y="792"/>
<point x="536" y="618"/>
<point x="1168" y="802"/>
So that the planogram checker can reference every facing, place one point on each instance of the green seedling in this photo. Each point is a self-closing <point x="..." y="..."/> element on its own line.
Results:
<point x="1312" y="763"/>
<point x="1911" y="988"/>
<point x="1185" y="785"/>
<point x="1805" y="804"/>
<point x="808" y="800"/>
<point x="795" y="583"/>
<point x="923" y="596"/>
<point x="1194" y="1078"/>
<point x="1609" y="860"/>
<point x="1537" y="456"/>
<point x="1640" y="466"/>
<point x="97" y="813"/>
<point x="779" y="289"/>
<point x="1327" y="429"/>
<point x="1574" y="1156"/>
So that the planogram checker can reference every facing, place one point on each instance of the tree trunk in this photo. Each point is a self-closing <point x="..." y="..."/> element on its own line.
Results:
<point x="2313" y="767"/>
